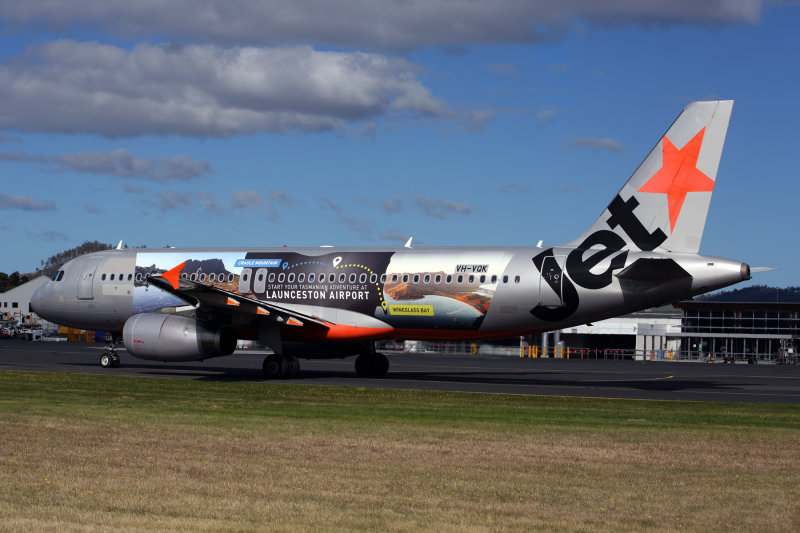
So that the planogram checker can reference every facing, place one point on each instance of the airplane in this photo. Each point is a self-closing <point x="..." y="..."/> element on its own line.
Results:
<point x="194" y="304"/>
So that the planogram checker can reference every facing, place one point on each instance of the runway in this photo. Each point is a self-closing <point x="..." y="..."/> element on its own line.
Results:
<point x="511" y="375"/>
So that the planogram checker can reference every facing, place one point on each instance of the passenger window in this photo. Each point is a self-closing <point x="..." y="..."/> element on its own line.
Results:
<point x="261" y="277"/>
<point x="494" y="278"/>
<point x="311" y="278"/>
<point x="505" y="279"/>
<point x="516" y="279"/>
<point x="373" y="278"/>
<point x="301" y="278"/>
<point x="281" y="277"/>
<point x="460" y="278"/>
<point x="130" y="277"/>
<point x="427" y="278"/>
<point x="271" y="277"/>
<point x="416" y="278"/>
<point x="332" y="278"/>
<point x="448" y="278"/>
<point x="352" y="278"/>
<point x="112" y="277"/>
<point x="184" y="275"/>
<point x="394" y="278"/>
<point x="362" y="278"/>
<point x="202" y="277"/>
<point x="245" y="277"/>
<point x="230" y="277"/>
<point x="405" y="278"/>
<point x="438" y="278"/>
<point x="471" y="278"/>
<point x="383" y="278"/>
<point x="212" y="277"/>
<point x="194" y="276"/>
<point x="121" y="277"/>
<point x="290" y="279"/>
<point x="342" y="277"/>
<point x="139" y="276"/>
<point x="483" y="278"/>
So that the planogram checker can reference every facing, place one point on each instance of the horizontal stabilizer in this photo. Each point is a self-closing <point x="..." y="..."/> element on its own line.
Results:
<point x="653" y="270"/>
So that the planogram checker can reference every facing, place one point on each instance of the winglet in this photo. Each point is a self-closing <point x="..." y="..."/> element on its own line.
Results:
<point x="173" y="275"/>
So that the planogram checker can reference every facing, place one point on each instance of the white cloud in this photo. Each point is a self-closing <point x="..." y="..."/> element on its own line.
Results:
<point x="441" y="207"/>
<point x="120" y="163"/>
<point x="392" y="205"/>
<point x="24" y="203"/>
<point x="280" y="197"/>
<point x="254" y="200"/>
<point x="48" y="235"/>
<point x="512" y="187"/>
<point x="207" y="91"/>
<point x="390" y="24"/>
<point x="170" y="200"/>
<point x="598" y="143"/>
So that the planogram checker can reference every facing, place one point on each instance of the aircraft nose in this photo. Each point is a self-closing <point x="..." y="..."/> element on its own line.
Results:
<point x="38" y="300"/>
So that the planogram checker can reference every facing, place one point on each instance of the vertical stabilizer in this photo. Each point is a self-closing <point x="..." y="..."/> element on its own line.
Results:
<point x="665" y="203"/>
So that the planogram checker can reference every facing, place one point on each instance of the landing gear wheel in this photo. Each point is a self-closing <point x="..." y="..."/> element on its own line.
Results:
<point x="372" y="365"/>
<point x="114" y="361"/>
<point x="292" y="367"/>
<point x="380" y="365"/>
<point x="106" y="361"/>
<point x="273" y="366"/>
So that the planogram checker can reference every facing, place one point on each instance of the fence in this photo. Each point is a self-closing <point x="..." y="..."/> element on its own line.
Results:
<point x="568" y="352"/>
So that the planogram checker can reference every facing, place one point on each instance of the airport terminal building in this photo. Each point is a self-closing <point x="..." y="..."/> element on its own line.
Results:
<point x="695" y="330"/>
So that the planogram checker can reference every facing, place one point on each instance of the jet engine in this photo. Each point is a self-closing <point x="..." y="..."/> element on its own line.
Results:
<point x="163" y="337"/>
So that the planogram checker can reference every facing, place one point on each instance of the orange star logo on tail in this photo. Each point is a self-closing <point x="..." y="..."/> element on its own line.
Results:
<point x="679" y="175"/>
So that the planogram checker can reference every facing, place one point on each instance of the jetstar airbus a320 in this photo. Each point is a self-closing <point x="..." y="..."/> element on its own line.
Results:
<point x="193" y="304"/>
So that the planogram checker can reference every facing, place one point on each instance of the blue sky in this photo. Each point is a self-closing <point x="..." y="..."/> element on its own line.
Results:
<point x="347" y="122"/>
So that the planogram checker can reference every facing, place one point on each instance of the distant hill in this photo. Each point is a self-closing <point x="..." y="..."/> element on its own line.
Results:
<point x="756" y="293"/>
<point x="53" y="263"/>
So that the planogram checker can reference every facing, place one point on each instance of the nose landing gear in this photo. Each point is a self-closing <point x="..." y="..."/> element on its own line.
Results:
<point x="110" y="358"/>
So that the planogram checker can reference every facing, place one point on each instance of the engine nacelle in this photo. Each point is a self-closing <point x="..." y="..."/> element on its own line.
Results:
<point x="164" y="337"/>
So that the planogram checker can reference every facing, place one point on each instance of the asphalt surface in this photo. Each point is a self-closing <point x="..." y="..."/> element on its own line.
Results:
<point x="654" y="380"/>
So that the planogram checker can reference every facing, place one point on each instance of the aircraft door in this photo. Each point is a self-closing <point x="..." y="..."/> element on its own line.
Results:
<point x="244" y="280"/>
<point x="260" y="283"/>
<point x="551" y="290"/>
<point x="86" y="278"/>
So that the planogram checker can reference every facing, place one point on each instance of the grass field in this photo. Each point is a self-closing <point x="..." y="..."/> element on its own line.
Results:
<point x="81" y="452"/>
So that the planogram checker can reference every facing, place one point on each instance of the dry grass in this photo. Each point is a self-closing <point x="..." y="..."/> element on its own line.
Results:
<point x="125" y="470"/>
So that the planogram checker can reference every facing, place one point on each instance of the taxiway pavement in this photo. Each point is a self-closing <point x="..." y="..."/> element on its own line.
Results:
<point x="555" y="377"/>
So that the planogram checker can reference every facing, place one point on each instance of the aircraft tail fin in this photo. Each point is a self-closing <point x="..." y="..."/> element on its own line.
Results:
<point x="665" y="202"/>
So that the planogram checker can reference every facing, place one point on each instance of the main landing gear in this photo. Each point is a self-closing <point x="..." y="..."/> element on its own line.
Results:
<point x="372" y="365"/>
<point x="110" y="359"/>
<point x="281" y="367"/>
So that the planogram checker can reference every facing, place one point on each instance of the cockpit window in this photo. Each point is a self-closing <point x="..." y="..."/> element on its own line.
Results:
<point x="57" y="275"/>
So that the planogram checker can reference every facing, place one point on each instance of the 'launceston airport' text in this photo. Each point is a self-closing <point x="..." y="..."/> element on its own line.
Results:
<point x="315" y="295"/>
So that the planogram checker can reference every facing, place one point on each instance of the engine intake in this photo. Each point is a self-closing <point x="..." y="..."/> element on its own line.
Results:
<point x="163" y="337"/>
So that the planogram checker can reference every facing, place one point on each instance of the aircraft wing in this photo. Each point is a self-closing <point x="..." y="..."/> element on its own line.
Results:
<point x="200" y="294"/>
